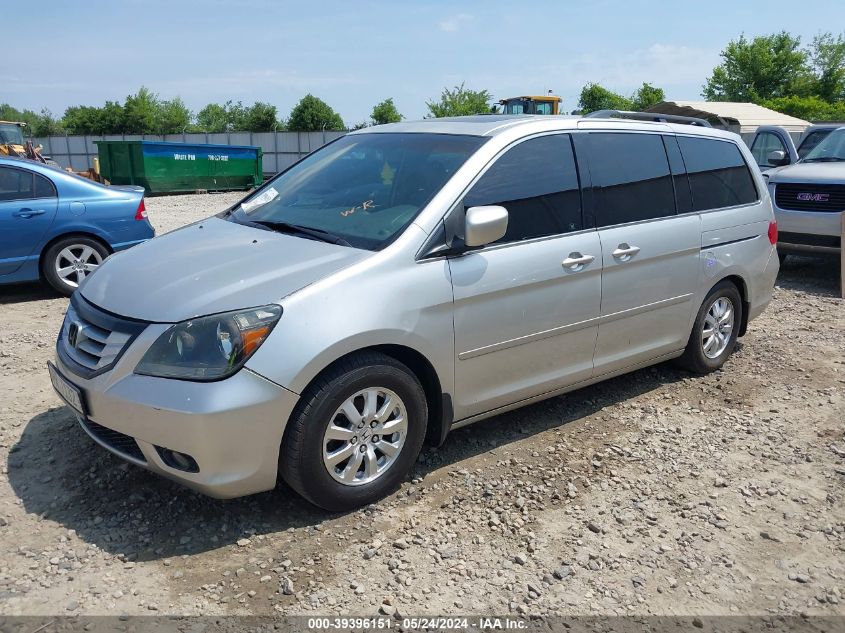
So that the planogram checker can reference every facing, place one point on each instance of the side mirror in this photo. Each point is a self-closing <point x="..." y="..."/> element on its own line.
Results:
<point x="485" y="225"/>
<point x="777" y="158"/>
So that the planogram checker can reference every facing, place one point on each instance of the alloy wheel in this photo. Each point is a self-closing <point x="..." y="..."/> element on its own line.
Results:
<point x="718" y="327"/>
<point x="365" y="436"/>
<point x="76" y="262"/>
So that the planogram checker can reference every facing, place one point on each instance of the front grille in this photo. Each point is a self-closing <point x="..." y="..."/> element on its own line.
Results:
<point x="92" y="340"/>
<point x="115" y="440"/>
<point x="810" y="197"/>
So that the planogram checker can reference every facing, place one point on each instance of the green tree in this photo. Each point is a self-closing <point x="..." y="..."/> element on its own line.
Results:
<point x="460" y="101"/>
<point x="140" y="112"/>
<point x="172" y="117"/>
<point x="595" y="97"/>
<point x="646" y="96"/>
<point x="39" y="124"/>
<point x="312" y="115"/>
<point x="827" y="60"/>
<point x="767" y="67"/>
<point x="112" y="118"/>
<point x="808" y="108"/>
<point x="9" y="113"/>
<point x="213" y="118"/>
<point x="83" y="120"/>
<point x="385" y="112"/>
<point x="262" y="117"/>
<point x="236" y="116"/>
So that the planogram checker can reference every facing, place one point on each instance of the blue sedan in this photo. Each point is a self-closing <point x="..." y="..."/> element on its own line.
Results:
<point x="58" y="227"/>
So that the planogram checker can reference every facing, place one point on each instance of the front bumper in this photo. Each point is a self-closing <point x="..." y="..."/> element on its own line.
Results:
<point x="809" y="231"/>
<point x="232" y="428"/>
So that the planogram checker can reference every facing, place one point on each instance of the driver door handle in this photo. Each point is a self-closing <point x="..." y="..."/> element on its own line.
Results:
<point x="624" y="252"/>
<point x="28" y="213"/>
<point x="576" y="261"/>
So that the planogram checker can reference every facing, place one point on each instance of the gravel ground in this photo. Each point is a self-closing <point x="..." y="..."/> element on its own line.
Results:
<point x="655" y="493"/>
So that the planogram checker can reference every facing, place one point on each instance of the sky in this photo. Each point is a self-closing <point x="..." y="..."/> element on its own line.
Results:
<point x="354" y="54"/>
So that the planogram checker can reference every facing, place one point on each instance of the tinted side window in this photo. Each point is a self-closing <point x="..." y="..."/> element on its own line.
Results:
<point x="44" y="188"/>
<point x="718" y="174"/>
<point x="15" y="184"/>
<point x="631" y="178"/>
<point x="537" y="182"/>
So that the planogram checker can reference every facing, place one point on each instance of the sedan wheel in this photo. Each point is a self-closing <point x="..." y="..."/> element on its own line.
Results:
<point x="70" y="260"/>
<point x="76" y="262"/>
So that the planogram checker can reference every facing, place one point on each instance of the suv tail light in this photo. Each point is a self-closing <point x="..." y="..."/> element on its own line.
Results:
<point x="773" y="233"/>
<point x="141" y="213"/>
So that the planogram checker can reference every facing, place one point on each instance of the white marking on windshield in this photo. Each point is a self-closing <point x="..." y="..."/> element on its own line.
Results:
<point x="259" y="201"/>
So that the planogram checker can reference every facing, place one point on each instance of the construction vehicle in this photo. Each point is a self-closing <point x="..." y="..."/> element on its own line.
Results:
<point x="548" y="104"/>
<point x="14" y="143"/>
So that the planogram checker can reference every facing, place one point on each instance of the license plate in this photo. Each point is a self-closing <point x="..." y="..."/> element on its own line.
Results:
<point x="70" y="393"/>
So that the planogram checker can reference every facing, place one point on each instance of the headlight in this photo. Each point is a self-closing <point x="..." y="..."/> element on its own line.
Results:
<point x="209" y="348"/>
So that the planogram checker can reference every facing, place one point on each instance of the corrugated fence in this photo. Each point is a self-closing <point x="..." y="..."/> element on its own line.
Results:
<point x="281" y="149"/>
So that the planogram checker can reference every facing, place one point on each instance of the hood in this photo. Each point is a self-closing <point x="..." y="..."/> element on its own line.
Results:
<point x="208" y="267"/>
<point x="816" y="173"/>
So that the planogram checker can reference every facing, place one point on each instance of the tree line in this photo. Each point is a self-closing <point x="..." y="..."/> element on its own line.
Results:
<point x="775" y="71"/>
<point x="146" y="113"/>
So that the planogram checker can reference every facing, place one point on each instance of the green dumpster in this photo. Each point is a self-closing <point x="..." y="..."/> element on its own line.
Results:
<point x="162" y="167"/>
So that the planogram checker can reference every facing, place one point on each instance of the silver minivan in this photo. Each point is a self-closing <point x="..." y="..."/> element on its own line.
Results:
<point x="409" y="279"/>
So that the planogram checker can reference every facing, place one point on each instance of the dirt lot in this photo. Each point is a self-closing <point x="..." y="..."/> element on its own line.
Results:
<point x="654" y="493"/>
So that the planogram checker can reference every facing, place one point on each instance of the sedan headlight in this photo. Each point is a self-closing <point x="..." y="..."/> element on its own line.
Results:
<point x="209" y="348"/>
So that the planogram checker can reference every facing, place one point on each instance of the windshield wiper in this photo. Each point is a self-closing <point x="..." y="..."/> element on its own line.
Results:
<point x="824" y="159"/>
<point x="296" y="229"/>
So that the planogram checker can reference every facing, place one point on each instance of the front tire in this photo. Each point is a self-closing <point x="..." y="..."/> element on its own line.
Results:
<point x="67" y="262"/>
<point x="715" y="330"/>
<point x="355" y="434"/>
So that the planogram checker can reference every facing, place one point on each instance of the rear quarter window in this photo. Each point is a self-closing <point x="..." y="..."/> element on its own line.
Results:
<point x="718" y="174"/>
<point x="44" y="187"/>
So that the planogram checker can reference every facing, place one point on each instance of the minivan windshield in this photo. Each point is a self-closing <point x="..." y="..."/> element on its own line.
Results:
<point x="362" y="190"/>
<point x="830" y="150"/>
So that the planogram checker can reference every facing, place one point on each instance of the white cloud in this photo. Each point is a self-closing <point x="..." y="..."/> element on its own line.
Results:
<point x="454" y="22"/>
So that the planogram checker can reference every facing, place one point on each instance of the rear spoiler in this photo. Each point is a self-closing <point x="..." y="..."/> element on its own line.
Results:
<point x="648" y="116"/>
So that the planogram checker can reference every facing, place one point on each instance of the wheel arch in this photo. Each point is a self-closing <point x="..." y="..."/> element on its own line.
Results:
<point x="56" y="238"/>
<point x="439" y="403"/>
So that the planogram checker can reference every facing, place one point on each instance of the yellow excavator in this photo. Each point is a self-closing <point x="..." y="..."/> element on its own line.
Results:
<point x="547" y="104"/>
<point x="13" y="142"/>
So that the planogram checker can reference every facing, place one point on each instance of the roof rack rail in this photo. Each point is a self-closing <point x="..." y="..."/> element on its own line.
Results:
<point x="648" y="116"/>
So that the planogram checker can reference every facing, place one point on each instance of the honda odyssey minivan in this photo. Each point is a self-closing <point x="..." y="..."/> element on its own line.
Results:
<point x="409" y="279"/>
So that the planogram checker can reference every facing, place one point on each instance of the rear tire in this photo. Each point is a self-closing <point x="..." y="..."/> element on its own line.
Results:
<point x="782" y="257"/>
<point x="70" y="260"/>
<point x="355" y="433"/>
<point x="715" y="330"/>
